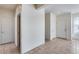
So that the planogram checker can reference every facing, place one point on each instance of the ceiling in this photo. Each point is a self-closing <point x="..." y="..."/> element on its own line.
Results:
<point x="55" y="8"/>
<point x="62" y="8"/>
<point x="8" y="6"/>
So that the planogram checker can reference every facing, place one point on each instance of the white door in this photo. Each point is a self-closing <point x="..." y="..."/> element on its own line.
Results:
<point x="61" y="27"/>
<point x="6" y="30"/>
<point x="6" y="27"/>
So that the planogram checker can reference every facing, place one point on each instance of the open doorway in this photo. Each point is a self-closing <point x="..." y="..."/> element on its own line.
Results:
<point x="75" y="26"/>
<point x="18" y="31"/>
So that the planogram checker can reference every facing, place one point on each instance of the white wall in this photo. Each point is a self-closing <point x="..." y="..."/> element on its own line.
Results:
<point x="32" y="28"/>
<point x="6" y="14"/>
<point x="53" y="26"/>
<point x="68" y="17"/>
<point x="50" y="26"/>
<point x="66" y="24"/>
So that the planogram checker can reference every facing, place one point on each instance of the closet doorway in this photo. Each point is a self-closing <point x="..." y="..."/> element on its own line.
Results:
<point x="6" y="27"/>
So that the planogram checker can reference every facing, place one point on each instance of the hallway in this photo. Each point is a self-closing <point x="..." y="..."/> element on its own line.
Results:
<point x="57" y="46"/>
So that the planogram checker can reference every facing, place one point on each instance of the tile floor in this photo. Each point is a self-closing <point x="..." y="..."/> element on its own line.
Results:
<point x="57" y="46"/>
<point x="9" y="48"/>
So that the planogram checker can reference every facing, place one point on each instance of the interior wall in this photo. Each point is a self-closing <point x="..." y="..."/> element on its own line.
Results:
<point x="32" y="27"/>
<point x="60" y="26"/>
<point x="53" y="26"/>
<point x="68" y="17"/>
<point x="50" y="26"/>
<point x="67" y="21"/>
<point x="6" y="14"/>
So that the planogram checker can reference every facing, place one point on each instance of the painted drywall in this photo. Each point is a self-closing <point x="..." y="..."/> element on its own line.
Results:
<point x="66" y="25"/>
<point x="7" y="15"/>
<point x="32" y="27"/>
<point x="68" y="17"/>
<point x="50" y="26"/>
<point x="60" y="26"/>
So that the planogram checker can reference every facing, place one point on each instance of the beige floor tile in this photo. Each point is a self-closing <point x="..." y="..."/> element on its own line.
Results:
<point x="57" y="46"/>
<point x="9" y="48"/>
